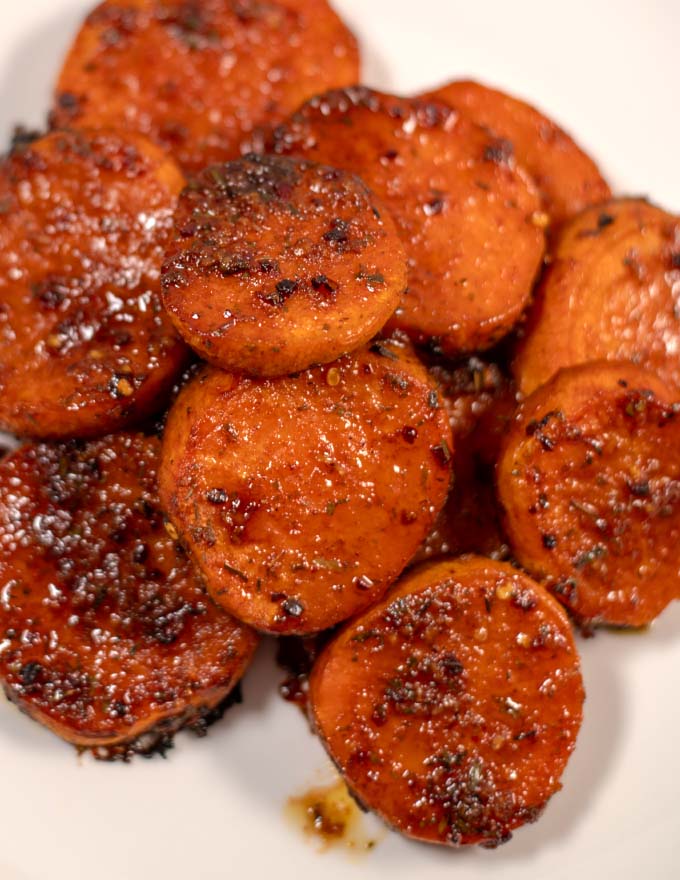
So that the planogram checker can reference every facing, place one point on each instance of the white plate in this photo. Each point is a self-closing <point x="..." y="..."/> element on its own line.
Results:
<point x="215" y="807"/>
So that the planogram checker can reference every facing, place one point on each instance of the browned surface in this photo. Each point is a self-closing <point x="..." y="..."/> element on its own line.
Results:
<point x="106" y="632"/>
<point x="590" y="482"/>
<point x="613" y="291"/>
<point x="278" y="264"/>
<point x="480" y="401"/>
<point x="303" y="498"/>
<point x="197" y="76"/>
<point x="567" y="178"/>
<point x="452" y="707"/>
<point x="84" y="344"/>
<point x="462" y="207"/>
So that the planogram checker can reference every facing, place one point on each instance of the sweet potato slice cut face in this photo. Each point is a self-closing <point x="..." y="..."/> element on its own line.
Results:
<point x="85" y="346"/>
<point x="612" y="291"/>
<point x="197" y="76"/>
<point x="278" y="264"/>
<point x="452" y="707"/>
<point x="108" y="636"/>
<point x="303" y="498"/>
<point x="568" y="179"/>
<point x="590" y="482"/>
<point x="454" y="192"/>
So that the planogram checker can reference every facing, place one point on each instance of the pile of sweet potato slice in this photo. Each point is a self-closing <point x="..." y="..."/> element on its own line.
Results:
<point x="439" y="407"/>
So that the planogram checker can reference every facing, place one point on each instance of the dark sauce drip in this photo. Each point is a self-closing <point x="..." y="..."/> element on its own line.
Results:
<point x="296" y="656"/>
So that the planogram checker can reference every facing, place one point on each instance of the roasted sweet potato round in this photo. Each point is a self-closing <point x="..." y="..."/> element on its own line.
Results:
<point x="197" y="76"/>
<point x="278" y="264"/>
<point x="451" y="708"/>
<point x="108" y="636"/>
<point x="85" y="346"/>
<point x="612" y="291"/>
<point x="303" y="498"/>
<point x="466" y="213"/>
<point x="568" y="179"/>
<point x="589" y="479"/>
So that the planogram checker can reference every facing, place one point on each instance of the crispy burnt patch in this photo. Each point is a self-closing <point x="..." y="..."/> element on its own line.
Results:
<point x="108" y="636"/>
<point x="449" y="186"/>
<point x="279" y="263"/>
<point x="589" y="479"/>
<point x="451" y="708"/>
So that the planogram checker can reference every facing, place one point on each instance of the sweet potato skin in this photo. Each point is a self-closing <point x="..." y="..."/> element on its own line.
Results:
<point x="568" y="179"/>
<point x="85" y="347"/>
<point x="611" y="291"/>
<point x="451" y="707"/>
<point x="196" y="77"/>
<point x="454" y="193"/>
<point x="108" y="635"/>
<point x="588" y="481"/>
<point x="303" y="498"/>
<point x="278" y="264"/>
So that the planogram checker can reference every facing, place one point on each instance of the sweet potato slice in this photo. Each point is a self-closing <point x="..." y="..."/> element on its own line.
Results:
<point x="303" y="498"/>
<point x="612" y="291"/>
<point x="108" y="636"/>
<point x="568" y="179"/>
<point x="197" y="76"/>
<point x="454" y="192"/>
<point x="452" y="707"/>
<point x="85" y="347"/>
<point x="279" y="264"/>
<point x="590" y="482"/>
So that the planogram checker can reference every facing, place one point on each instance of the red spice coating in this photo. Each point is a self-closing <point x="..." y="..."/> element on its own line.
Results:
<point x="106" y="633"/>
<point x="278" y="264"/>
<point x="302" y="498"/>
<point x="465" y="212"/>
<point x="611" y="291"/>
<point x="196" y="75"/>
<point x="452" y="707"/>
<point x="568" y="179"/>
<point x="85" y="346"/>
<point x="590" y="481"/>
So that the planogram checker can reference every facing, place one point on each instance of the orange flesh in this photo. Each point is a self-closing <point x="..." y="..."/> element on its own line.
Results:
<point x="197" y="76"/>
<point x="451" y="708"/>
<point x="454" y="195"/>
<point x="279" y="264"/>
<point x="568" y="179"/>
<point x="590" y="482"/>
<point x="612" y="291"/>
<point x="303" y="498"/>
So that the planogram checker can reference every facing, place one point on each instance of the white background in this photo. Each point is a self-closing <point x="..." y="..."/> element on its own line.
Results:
<point x="608" y="71"/>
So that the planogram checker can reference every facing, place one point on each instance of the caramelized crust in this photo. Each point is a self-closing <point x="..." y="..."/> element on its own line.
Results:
<point x="278" y="264"/>
<point x="454" y="192"/>
<point x="590" y="482"/>
<point x="452" y="707"/>
<point x="568" y="179"/>
<point x="612" y="291"/>
<point x="85" y="347"/>
<point x="197" y="76"/>
<point x="106" y="634"/>
<point x="303" y="498"/>
<point x="480" y="401"/>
